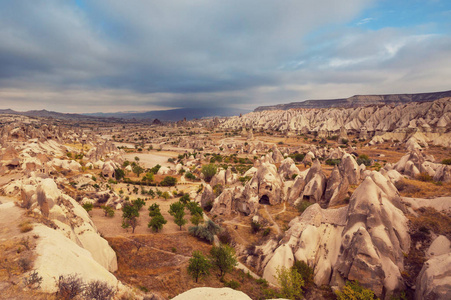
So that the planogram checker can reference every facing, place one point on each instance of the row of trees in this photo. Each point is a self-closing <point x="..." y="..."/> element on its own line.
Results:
<point x="130" y="214"/>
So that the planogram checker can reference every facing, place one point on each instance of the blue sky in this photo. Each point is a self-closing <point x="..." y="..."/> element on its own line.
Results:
<point x="106" y="56"/>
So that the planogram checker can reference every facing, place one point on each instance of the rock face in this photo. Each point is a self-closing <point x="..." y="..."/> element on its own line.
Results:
<point x="315" y="184"/>
<point x="212" y="293"/>
<point x="350" y="169"/>
<point x="434" y="280"/>
<point x="336" y="189"/>
<point x="376" y="121"/>
<point x="364" y="241"/>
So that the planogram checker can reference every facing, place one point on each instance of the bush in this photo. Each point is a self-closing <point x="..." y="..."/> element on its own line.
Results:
<point x="69" y="286"/>
<point x="25" y="227"/>
<point x="209" y="171"/>
<point x="155" y="169"/>
<point x="232" y="284"/>
<point x="267" y="231"/>
<point x="194" y="208"/>
<point x="109" y="211"/>
<point x="205" y="231"/>
<point x="88" y="206"/>
<point x="225" y="237"/>
<point x="33" y="280"/>
<point x="25" y="264"/>
<point x="423" y="176"/>
<point x="119" y="174"/>
<point x="185" y="199"/>
<point x="446" y="161"/>
<point x="305" y="271"/>
<point x="255" y="226"/>
<point x="148" y="177"/>
<point x="291" y="283"/>
<point x="199" y="266"/>
<point x="218" y="189"/>
<point x="353" y="290"/>
<point x="302" y="206"/>
<point x="190" y="176"/>
<point x="333" y="162"/>
<point x="168" y="181"/>
<point x="99" y="290"/>
<point x="364" y="159"/>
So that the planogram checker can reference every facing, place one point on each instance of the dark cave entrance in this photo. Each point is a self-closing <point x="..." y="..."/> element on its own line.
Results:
<point x="264" y="200"/>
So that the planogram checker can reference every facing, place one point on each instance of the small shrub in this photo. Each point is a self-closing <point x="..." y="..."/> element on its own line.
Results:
<point x="99" y="290"/>
<point x="33" y="280"/>
<point x="209" y="171"/>
<point x="353" y="290"/>
<point x="446" y="161"/>
<point x="255" y="226"/>
<point x="25" y="264"/>
<point x="332" y="162"/>
<point x="291" y="283"/>
<point x="88" y="206"/>
<point x="267" y="231"/>
<point x="423" y="176"/>
<point x="190" y="176"/>
<point x="108" y="211"/>
<point x="205" y="231"/>
<point x="263" y="282"/>
<point x="305" y="271"/>
<point x="69" y="286"/>
<point x="232" y="284"/>
<point x="302" y="206"/>
<point x="25" y="227"/>
<point x="225" y="237"/>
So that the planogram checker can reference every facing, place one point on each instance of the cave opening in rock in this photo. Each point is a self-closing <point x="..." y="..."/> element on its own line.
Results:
<point x="264" y="200"/>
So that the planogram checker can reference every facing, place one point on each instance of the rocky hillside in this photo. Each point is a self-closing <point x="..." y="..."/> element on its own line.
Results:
<point x="430" y="120"/>
<point x="359" y="100"/>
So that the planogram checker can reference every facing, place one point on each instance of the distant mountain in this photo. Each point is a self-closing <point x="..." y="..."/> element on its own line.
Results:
<point x="359" y="100"/>
<point x="175" y="114"/>
<point x="46" y="114"/>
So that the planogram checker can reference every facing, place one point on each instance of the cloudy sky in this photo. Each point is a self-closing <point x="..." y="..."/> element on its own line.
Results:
<point x="115" y="55"/>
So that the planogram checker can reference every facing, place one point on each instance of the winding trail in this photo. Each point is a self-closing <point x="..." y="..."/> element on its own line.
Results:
<point x="275" y="225"/>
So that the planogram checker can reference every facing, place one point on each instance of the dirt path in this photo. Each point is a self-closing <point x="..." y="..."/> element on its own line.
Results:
<point x="272" y="220"/>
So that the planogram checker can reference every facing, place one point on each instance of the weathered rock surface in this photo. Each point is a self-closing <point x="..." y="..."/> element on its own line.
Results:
<point x="212" y="293"/>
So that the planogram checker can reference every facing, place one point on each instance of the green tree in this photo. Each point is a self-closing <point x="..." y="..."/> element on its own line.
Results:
<point x="155" y="169"/>
<point x="157" y="222"/>
<point x="196" y="219"/>
<point x="199" y="266"/>
<point x="169" y="181"/>
<point x="88" y="206"/>
<point x="185" y="199"/>
<point x="209" y="171"/>
<point x="130" y="215"/>
<point x="165" y="195"/>
<point x="291" y="283"/>
<point x="119" y="174"/>
<point x="194" y="208"/>
<point x="138" y="203"/>
<point x="154" y="209"/>
<point x="205" y="231"/>
<point x="137" y="170"/>
<point x="353" y="290"/>
<point x="179" y="218"/>
<point x="176" y="207"/>
<point x="223" y="258"/>
<point x="148" y="177"/>
<point x="108" y="210"/>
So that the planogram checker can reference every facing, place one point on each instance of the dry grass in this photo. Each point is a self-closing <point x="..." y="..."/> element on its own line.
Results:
<point x="421" y="228"/>
<point x="155" y="267"/>
<point x="421" y="189"/>
<point x="25" y="226"/>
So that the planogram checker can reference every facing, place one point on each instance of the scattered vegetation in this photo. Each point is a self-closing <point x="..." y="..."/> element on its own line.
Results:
<point x="353" y="290"/>
<point x="199" y="266"/>
<point x="209" y="171"/>
<point x="205" y="231"/>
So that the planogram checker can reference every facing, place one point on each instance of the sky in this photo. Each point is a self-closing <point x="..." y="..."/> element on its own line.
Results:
<point x="114" y="55"/>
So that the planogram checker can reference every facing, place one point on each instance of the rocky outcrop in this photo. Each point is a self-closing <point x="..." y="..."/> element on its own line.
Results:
<point x="212" y="293"/>
<point x="349" y="169"/>
<point x="434" y="280"/>
<point x="336" y="189"/>
<point x="364" y="241"/>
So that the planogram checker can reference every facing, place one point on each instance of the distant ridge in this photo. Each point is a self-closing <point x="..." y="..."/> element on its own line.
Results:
<point x="175" y="114"/>
<point x="359" y="100"/>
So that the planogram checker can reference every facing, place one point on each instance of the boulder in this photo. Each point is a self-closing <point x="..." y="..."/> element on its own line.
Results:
<point x="434" y="280"/>
<point x="47" y="195"/>
<point x="212" y="293"/>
